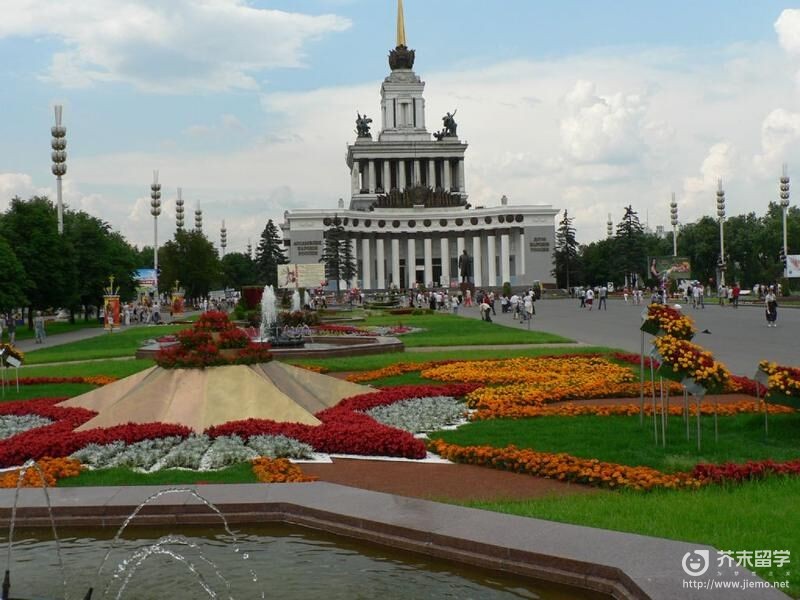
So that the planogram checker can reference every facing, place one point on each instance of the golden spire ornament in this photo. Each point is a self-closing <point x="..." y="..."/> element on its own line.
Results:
<point x="401" y="26"/>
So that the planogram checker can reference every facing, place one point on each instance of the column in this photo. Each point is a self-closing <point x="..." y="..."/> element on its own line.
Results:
<point x="446" y="174"/>
<point x="476" y="259"/>
<point x="396" y="262"/>
<point x="461" y="185"/>
<point x="427" y="245"/>
<point x="490" y="259"/>
<point x="366" y="264"/>
<point x="354" y="184"/>
<point x="387" y="176"/>
<point x="445" y="252"/>
<point x="371" y="176"/>
<point x="521" y="275"/>
<point x="417" y="174"/>
<point x="411" y="262"/>
<point x="505" y="263"/>
<point x="380" y="271"/>
<point x="401" y="175"/>
<point x="354" y="249"/>
<point x="432" y="173"/>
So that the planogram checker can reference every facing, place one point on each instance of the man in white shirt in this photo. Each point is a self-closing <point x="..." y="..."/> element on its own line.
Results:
<point x="589" y="298"/>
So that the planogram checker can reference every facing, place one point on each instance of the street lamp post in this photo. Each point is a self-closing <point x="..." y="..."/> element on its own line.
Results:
<point x="721" y="215"/>
<point x="59" y="156"/>
<point x="609" y="226"/>
<point x="223" y="238"/>
<point x="673" y="219"/>
<point x="155" y="210"/>
<point x="784" y="209"/>
<point x="198" y="220"/>
<point x="179" y="210"/>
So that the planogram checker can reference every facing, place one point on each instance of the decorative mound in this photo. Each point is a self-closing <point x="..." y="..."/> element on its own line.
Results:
<point x="202" y="398"/>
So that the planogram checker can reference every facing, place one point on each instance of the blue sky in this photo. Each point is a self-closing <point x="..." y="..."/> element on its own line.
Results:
<point x="583" y="105"/>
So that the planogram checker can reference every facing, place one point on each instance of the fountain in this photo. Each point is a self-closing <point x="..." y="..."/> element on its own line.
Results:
<point x="269" y="330"/>
<point x="306" y="298"/>
<point x="296" y="301"/>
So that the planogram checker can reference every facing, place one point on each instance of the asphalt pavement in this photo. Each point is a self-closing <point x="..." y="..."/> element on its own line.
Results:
<point x="737" y="337"/>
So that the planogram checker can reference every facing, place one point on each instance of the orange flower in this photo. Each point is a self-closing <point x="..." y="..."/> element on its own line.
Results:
<point x="279" y="470"/>
<point x="52" y="469"/>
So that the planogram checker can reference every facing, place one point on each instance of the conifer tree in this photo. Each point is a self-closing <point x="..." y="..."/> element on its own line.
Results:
<point x="269" y="254"/>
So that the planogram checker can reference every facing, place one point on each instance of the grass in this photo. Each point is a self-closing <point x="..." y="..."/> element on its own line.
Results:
<point x="377" y="361"/>
<point x="52" y="390"/>
<point x="112" y="345"/>
<point x="450" y="330"/>
<point x="623" y="440"/>
<point x="114" y="368"/>
<point x="241" y="473"/>
<point x="54" y="328"/>
<point x="751" y="516"/>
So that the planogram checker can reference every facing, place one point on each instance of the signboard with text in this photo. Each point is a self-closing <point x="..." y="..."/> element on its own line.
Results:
<point x="301" y="275"/>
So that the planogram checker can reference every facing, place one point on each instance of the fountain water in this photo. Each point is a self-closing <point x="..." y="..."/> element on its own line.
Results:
<point x="306" y="298"/>
<point x="296" y="301"/>
<point x="269" y="314"/>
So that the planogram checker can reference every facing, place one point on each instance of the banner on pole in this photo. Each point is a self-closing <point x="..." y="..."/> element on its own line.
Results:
<point x="675" y="267"/>
<point x="301" y="275"/>
<point x="793" y="265"/>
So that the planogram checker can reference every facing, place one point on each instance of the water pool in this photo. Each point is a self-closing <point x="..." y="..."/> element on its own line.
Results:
<point x="290" y="563"/>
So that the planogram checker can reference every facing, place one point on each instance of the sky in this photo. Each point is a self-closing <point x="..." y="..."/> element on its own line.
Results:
<point x="587" y="106"/>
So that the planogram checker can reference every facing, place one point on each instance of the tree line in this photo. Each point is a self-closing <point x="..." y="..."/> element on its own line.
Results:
<point x="42" y="270"/>
<point x="752" y="247"/>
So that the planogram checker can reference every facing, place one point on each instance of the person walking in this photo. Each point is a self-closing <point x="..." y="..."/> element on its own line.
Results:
<point x="485" y="311"/>
<point x="38" y="327"/>
<point x="589" y="298"/>
<point x="11" y="325"/>
<point x="771" y="304"/>
<point x="582" y="296"/>
<point x="735" y="292"/>
<point x="603" y="298"/>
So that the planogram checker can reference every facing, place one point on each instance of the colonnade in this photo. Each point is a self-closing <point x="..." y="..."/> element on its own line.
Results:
<point x="380" y="266"/>
<point x="380" y="175"/>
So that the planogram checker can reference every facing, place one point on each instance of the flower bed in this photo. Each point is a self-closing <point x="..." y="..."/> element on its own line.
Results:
<point x="684" y="359"/>
<point x="421" y="415"/>
<point x="49" y="469"/>
<point x="279" y="470"/>
<point x="565" y="467"/>
<point x="395" y="369"/>
<point x="99" y="380"/>
<point x="669" y="320"/>
<point x="782" y="380"/>
<point x="750" y="470"/>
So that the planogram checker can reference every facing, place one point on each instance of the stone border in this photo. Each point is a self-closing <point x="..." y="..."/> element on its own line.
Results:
<point x="347" y="346"/>
<point x="621" y="565"/>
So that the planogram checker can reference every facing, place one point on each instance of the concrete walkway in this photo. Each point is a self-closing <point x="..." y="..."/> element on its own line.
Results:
<point x="737" y="337"/>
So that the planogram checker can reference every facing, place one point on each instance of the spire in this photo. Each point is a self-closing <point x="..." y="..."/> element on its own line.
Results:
<point x="401" y="26"/>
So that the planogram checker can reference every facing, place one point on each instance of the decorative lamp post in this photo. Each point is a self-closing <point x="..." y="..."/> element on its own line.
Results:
<point x="249" y="249"/>
<point x="198" y="220"/>
<point x="59" y="156"/>
<point x="609" y="226"/>
<point x="784" y="208"/>
<point x="155" y="210"/>
<point x="179" y="210"/>
<point x="673" y="219"/>
<point x="721" y="215"/>
<point x="223" y="238"/>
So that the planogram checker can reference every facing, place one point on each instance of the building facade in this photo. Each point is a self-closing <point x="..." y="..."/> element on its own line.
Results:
<point x="408" y="218"/>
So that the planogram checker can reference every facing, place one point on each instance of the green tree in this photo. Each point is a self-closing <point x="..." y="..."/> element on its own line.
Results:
<point x="347" y="267"/>
<point x="14" y="278"/>
<point x="337" y="255"/>
<point x="238" y="270"/>
<point x="269" y="254"/>
<point x="190" y="259"/>
<point x="630" y="254"/>
<point x="30" y="227"/>
<point x="566" y="252"/>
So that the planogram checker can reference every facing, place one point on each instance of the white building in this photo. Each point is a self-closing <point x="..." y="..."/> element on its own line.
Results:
<point x="408" y="217"/>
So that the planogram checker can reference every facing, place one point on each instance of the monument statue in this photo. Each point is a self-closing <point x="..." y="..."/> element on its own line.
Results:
<point x="450" y="124"/>
<point x="464" y="264"/>
<point x="362" y="125"/>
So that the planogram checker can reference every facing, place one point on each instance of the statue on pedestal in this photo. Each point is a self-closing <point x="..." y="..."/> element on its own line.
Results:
<point x="362" y="125"/>
<point x="450" y="125"/>
<point x="464" y="266"/>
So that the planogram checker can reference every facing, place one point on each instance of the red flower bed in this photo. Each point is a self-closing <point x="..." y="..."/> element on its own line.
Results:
<point x="333" y="329"/>
<point x="213" y="320"/>
<point x="92" y="379"/>
<point x="635" y="359"/>
<point x="747" y="471"/>
<point x="233" y="338"/>
<point x="347" y="430"/>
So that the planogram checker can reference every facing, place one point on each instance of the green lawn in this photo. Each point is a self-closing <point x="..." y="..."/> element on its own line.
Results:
<point x="54" y="390"/>
<point x="753" y="516"/>
<point x="622" y="440"/>
<point x="241" y="473"/>
<point x="110" y="345"/>
<point x="54" y="328"/>
<point x="377" y="361"/>
<point x="113" y="368"/>
<point x="450" y="330"/>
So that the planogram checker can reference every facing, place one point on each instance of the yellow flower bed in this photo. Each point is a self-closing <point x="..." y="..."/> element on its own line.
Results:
<point x="687" y="359"/>
<point x="784" y="380"/>
<point x="565" y="467"/>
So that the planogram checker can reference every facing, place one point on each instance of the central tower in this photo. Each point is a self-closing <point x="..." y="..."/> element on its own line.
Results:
<point x="405" y="155"/>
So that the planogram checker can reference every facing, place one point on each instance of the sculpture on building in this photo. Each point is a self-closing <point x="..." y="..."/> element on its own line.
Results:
<point x="464" y="264"/>
<point x="418" y="195"/>
<point x="450" y="127"/>
<point x="362" y="125"/>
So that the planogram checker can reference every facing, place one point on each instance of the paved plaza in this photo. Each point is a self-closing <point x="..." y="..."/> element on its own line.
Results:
<point x="739" y="338"/>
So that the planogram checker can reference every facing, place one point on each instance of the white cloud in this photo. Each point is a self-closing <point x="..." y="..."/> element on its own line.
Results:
<point x="788" y="29"/>
<point x="779" y="131"/>
<point x="171" y="47"/>
<point x="699" y="191"/>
